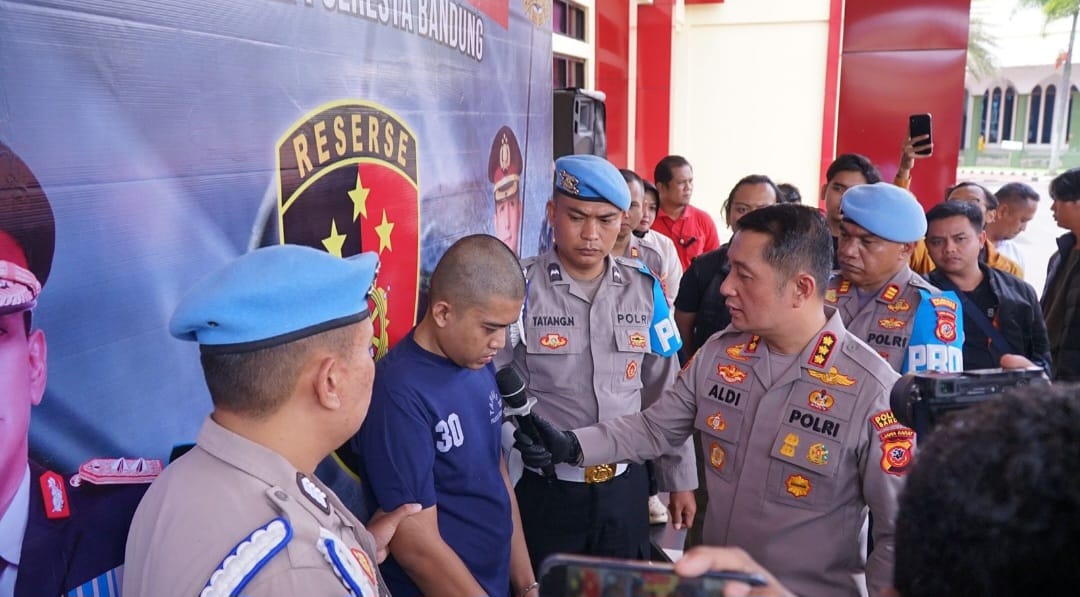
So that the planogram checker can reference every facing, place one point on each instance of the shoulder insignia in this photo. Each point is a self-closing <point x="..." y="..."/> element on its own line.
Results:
<point x="891" y="323"/>
<point x="616" y="275"/>
<point x="891" y="292"/>
<point x="899" y="306"/>
<point x="735" y="351"/>
<point x="845" y="287"/>
<point x="117" y="471"/>
<point x="830" y="295"/>
<point x="247" y="558"/>
<point x="825" y="345"/>
<point x="312" y="492"/>
<point x="634" y="252"/>
<point x="352" y="566"/>
<point x="832" y="377"/>
<point x="730" y="373"/>
<point x="554" y="272"/>
<point x="54" y="495"/>
<point x="896" y="448"/>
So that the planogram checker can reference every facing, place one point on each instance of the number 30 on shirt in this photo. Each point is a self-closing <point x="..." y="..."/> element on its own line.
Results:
<point x="449" y="434"/>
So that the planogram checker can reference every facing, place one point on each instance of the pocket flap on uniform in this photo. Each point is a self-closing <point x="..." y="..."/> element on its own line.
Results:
<point x="807" y="451"/>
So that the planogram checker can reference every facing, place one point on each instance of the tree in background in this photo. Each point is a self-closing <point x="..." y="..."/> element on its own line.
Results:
<point x="1054" y="10"/>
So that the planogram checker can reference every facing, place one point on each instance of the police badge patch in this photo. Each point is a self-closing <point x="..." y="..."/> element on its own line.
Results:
<point x="348" y="182"/>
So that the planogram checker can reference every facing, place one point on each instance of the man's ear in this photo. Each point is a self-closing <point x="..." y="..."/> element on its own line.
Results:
<point x="39" y="369"/>
<point x="441" y="312"/>
<point x="906" y="249"/>
<point x="982" y="237"/>
<point x="551" y="211"/>
<point x="328" y="382"/>
<point x="805" y="288"/>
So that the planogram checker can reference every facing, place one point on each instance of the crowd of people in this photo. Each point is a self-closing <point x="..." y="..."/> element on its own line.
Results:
<point x="749" y="381"/>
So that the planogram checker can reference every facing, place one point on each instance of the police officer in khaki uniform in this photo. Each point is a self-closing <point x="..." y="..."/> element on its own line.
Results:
<point x="798" y="438"/>
<point x="290" y="379"/>
<point x="629" y="245"/>
<point x="597" y="344"/>
<point x="876" y="292"/>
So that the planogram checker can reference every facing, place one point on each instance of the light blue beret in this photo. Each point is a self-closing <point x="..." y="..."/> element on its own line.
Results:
<point x="591" y="178"/>
<point x="272" y="296"/>
<point x="885" y="210"/>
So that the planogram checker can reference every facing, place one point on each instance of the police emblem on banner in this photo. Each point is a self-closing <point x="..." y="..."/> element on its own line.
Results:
<point x="348" y="182"/>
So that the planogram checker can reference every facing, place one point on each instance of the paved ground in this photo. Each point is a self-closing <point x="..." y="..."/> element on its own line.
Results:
<point x="1037" y="242"/>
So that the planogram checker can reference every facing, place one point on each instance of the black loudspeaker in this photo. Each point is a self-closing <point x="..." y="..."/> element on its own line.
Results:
<point x="579" y="123"/>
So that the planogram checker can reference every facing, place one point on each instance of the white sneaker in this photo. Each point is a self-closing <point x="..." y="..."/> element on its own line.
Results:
<point x="658" y="513"/>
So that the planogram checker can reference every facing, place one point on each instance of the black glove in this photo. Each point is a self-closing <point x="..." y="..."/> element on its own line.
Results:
<point x="548" y="446"/>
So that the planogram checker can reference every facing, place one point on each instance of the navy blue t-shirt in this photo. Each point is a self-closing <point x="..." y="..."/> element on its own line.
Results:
<point x="432" y="436"/>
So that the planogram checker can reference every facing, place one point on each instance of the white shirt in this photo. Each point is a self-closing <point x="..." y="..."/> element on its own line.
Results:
<point x="669" y="256"/>
<point x="1009" y="249"/>
<point x="12" y="531"/>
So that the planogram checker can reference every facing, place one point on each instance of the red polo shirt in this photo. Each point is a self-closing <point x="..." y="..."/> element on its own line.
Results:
<point x="693" y="233"/>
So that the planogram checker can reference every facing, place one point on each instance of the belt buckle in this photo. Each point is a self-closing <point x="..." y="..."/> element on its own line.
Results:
<point x="600" y="473"/>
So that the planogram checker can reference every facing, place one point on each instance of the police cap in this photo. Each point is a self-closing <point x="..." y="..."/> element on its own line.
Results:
<point x="591" y="178"/>
<point x="885" y="210"/>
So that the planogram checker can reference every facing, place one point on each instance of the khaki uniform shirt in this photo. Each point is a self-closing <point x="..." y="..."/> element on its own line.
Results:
<point x="590" y="360"/>
<point x="792" y="463"/>
<point x="210" y="500"/>
<point x="651" y="251"/>
<point x="885" y="322"/>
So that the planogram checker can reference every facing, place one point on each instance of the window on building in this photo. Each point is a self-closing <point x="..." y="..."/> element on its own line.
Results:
<point x="1034" y="111"/>
<point x="568" y="19"/>
<point x="995" y="116"/>
<point x="985" y="113"/>
<point x="999" y="106"/>
<point x="567" y="71"/>
<point x="1048" y="114"/>
<point x="1007" y="114"/>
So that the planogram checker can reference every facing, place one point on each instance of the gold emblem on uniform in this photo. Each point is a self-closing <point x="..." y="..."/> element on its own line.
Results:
<point x="717" y="456"/>
<point x="891" y="323"/>
<point x="631" y="369"/>
<point x="825" y="346"/>
<point x="751" y="346"/>
<point x="832" y="377"/>
<point x="891" y="291"/>
<point x="845" y="287"/>
<point x="568" y="182"/>
<point x="637" y="340"/>
<point x="821" y="400"/>
<point x="899" y="306"/>
<point x="553" y="341"/>
<point x="600" y="473"/>
<point x="818" y="454"/>
<point x="730" y="373"/>
<point x="736" y="352"/>
<point x="634" y="252"/>
<point x="716" y="421"/>
<point x="791" y="441"/>
<point x="537" y="11"/>
<point x="830" y="295"/>
<point x="798" y="486"/>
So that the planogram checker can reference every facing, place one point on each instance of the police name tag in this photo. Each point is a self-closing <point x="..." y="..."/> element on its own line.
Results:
<point x="247" y="558"/>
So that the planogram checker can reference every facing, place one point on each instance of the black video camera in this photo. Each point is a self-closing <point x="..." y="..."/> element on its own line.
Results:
<point x="919" y="400"/>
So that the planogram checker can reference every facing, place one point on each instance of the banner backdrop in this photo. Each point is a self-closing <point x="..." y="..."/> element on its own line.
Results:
<point x="171" y="136"/>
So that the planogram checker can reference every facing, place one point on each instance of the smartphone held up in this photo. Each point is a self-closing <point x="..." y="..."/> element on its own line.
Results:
<point x="919" y="125"/>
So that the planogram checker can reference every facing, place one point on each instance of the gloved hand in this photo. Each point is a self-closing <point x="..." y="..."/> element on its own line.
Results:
<point x="546" y="445"/>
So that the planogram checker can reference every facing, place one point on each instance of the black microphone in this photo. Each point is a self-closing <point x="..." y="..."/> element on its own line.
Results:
<point x="512" y="389"/>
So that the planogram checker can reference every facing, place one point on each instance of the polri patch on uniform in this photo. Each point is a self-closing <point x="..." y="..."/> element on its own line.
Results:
<point x="312" y="492"/>
<point x="891" y="292"/>
<point x="896" y="447"/>
<point x="716" y="421"/>
<point x="946" y="326"/>
<point x="717" y="456"/>
<point x="899" y="306"/>
<point x="891" y="323"/>
<point x="883" y="419"/>
<point x="553" y="341"/>
<point x="730" y="373"/>
<point x="818" y="454"/>
<point x="798" y="486"/>
<point x="791" y="442"/>
<point x="825" y="345"/>
<point x="54" y="495"/>
<point x="821" y="400"/>
<point x="735" y="352"/>
<point x="631" y="369"/>
<point x="832" y="377"/>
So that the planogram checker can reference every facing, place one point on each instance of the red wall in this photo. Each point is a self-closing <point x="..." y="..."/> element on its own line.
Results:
<point x="653" y="117"/>
<point x="902" y="57"/>
<point x="613" y="74"/>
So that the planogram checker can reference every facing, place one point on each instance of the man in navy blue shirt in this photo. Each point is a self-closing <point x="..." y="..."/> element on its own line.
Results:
<point x="432" y="435"/>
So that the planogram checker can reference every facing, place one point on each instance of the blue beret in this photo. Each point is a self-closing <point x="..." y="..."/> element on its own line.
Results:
<point x="591" y="178"/>
<point x="273" y="296"/>
<point x="885" y="210"/>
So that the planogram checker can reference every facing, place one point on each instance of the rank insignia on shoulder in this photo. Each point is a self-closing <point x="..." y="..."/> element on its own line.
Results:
<point x="554" y="272"/>
<point x="825" y="345"/>
<point x="751" y="346"/>
<point x="832" y="377"/>
<point x="312" y="492"/>
<point x="352" y="567"/>
<point x="891" y="291"/>
<point x="845" y="287"/>
<point x="830" y="295"/>
<point x="247" y="558"/>
<point x="54" y="495"/>
<point x="117" y="471"/>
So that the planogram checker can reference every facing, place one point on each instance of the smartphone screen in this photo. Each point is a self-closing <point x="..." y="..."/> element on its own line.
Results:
<point x="919" y="124"/>
<point x="583" y="576"/>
